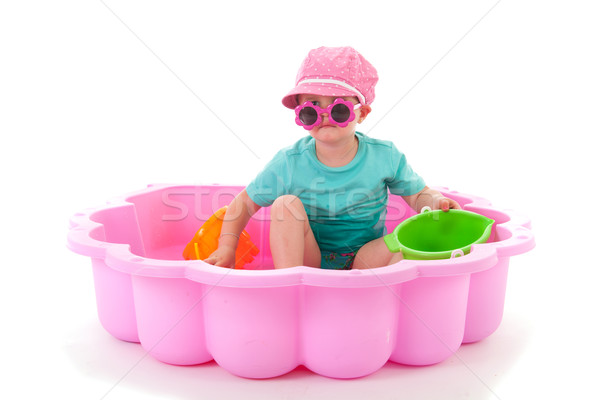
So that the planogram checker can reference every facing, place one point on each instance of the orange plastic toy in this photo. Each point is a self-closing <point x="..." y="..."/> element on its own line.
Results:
<point x="206" y="240"/>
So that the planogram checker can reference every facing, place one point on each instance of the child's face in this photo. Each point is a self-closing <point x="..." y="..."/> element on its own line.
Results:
<point x="326" y="130"/>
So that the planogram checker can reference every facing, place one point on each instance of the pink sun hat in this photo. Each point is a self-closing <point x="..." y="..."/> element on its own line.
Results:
<point x="334" y="71"/>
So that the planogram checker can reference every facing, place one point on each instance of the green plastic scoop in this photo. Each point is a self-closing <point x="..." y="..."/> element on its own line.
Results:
<point x="434" y="235"/>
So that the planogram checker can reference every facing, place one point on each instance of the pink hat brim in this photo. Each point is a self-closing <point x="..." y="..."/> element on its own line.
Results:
<point x="320" y="89"/>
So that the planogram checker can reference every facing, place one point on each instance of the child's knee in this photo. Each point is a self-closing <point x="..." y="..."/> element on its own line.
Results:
<point x="286" y="207"/>
<point x="396" y="257"/>
<point x="375" y="254"/>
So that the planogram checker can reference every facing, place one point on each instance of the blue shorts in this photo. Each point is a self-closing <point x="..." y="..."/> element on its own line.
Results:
<point x="331" y="260"/>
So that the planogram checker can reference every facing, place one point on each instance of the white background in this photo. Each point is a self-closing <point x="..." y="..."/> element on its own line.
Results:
<point x="100" y="99"/>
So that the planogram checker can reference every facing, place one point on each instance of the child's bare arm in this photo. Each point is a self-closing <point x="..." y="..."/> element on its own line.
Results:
<point x="239" y="212"/>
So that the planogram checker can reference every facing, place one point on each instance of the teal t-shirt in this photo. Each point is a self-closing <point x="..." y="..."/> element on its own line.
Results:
<point x="346" y="206"/>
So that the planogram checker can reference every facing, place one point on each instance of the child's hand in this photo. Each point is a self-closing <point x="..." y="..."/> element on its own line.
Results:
<point x="445" y="204"/>
<point x="224" y="256"/>
<point x="431" y="199"/>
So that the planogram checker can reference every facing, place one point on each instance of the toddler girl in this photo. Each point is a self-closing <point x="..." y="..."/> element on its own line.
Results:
<point x="328" y="192"/>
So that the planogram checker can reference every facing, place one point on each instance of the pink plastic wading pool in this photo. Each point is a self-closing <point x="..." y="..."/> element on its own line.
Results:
<point x="263" y="323"/>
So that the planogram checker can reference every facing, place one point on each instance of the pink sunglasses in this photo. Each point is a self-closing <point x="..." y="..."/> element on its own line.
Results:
<point x="341" y="113"/>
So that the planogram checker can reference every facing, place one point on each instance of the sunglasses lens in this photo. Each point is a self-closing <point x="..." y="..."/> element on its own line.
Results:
<point x="340" y="113"/>
<point x="308" y="115"/>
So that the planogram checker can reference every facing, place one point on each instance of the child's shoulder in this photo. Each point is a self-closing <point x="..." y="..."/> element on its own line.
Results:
<point x="297" y="148"/>
<point x="375" y="143"/>
<point x="293" y="152"/>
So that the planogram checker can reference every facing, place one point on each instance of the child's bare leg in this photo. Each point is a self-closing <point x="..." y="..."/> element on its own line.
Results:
<point x="292" y="240"/>
<point x="375" y="254"/>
